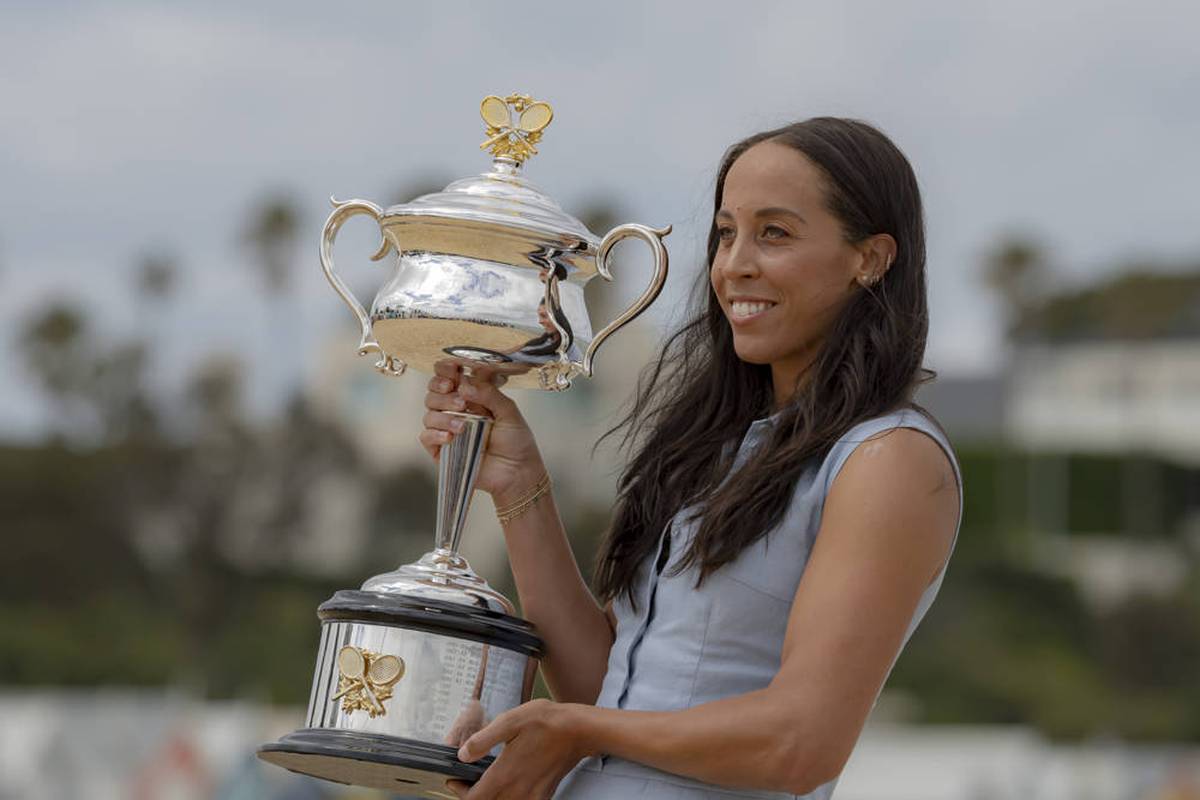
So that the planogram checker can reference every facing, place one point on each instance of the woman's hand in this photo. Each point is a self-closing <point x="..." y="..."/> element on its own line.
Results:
<point x="512" y="464"/>
<point x="542" y="742"/>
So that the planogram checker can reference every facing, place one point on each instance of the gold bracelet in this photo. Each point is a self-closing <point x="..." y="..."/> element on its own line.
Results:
<point x="516" y="509"/>
<point x="537" y="487"/>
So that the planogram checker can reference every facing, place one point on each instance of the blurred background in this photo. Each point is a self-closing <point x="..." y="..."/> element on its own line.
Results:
<point x="192" y="457"/>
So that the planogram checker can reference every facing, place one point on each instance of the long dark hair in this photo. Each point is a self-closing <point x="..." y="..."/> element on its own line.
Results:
<point x="697" y="401"/>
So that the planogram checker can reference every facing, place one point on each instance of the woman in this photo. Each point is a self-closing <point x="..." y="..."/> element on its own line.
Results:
<point x="784" y="522"/>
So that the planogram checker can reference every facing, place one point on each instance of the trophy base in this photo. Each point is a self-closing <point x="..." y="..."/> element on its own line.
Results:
<point x="441" y="575"/>
<point x="404" y="766"/>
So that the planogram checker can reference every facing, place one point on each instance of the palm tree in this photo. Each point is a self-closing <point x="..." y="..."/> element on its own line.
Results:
<point x="156" y="276"/>
<point x="272" y="236"/>
<point x="1018" y="270"/>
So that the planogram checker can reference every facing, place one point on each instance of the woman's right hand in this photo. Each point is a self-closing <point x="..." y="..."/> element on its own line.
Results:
<point x="511" y="464"/>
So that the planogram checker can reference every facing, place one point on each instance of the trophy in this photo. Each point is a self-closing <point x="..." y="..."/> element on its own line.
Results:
<point x="488" y="273"/>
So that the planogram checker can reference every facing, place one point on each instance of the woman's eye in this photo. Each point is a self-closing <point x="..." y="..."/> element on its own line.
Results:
<point x="725" y="233"/>
<point x="774" y="232"/>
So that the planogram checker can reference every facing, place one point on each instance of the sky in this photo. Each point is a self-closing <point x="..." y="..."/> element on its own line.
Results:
<point x="136" y="127"/>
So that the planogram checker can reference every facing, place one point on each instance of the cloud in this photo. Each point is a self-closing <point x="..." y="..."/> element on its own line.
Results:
<point x="138" y="123"/>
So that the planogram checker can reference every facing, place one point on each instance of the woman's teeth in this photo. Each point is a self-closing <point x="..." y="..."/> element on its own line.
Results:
<point x="742" y="308"/>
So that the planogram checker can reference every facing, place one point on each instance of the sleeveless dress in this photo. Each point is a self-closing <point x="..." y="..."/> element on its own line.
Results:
<point x="687" y="645"/>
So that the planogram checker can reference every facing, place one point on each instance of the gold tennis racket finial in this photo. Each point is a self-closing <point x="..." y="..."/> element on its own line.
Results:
<point x="514" y="125"/>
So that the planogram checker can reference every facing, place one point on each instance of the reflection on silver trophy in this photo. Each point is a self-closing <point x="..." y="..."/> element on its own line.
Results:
<point x="489" y="273"/>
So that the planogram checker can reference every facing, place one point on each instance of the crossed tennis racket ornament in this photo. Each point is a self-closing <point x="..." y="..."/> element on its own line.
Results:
<point x="509" y="137"/>
<point x="365" y="679"/>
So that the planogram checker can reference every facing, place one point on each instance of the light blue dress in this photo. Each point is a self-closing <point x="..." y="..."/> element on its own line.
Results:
<point x="686" y="645"/>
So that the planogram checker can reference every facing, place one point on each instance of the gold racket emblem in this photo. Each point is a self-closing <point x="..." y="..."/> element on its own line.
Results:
<point x="509" y="137"/>
<point x="365" y="679"/>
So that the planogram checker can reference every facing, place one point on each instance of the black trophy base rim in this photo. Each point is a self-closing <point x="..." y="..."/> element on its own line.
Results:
<point x="433" y="616"/>
<point x="400" y="766"/>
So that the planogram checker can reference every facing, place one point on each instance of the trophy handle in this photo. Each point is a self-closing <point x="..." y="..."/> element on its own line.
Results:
<point x="652" y="237"/>
<point x="388" y="365"/>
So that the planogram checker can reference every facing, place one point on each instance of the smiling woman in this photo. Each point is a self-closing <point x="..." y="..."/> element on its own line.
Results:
<point x="786" y="516"/>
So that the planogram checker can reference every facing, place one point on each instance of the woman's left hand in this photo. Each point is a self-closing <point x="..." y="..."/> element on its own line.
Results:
<point x="542" y="742"/>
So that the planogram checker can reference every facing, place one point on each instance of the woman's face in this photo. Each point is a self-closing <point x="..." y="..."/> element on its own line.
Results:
<point x="783" y="269"/>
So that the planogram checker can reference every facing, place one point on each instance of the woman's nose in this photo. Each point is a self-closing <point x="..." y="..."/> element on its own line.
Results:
<point x="740" y="261"/>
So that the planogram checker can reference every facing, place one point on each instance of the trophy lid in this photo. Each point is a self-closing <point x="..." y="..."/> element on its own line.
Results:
<point x="496" y="205"/>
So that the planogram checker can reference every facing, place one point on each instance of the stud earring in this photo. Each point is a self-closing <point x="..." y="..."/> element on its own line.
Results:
<point x="867" y="281"/>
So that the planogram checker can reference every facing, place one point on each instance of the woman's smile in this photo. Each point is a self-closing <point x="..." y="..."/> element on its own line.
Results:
<point x="743" y="311"/>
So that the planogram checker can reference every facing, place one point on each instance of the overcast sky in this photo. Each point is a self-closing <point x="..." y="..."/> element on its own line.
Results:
<point x="127" y="127"/>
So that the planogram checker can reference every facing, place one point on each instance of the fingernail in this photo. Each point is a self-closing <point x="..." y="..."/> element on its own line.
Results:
<point x="456" y="425"/>
<point x="460" y="403"/>
<point x="466" y="390"/>
<point x="443" y="385"/>
<point x="463" y="755"/>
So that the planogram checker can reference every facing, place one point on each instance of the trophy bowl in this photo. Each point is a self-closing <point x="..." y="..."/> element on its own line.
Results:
<point x="488" y="273"/>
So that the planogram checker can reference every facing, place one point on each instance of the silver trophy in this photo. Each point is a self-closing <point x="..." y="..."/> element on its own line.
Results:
<point x="489" y="273"/>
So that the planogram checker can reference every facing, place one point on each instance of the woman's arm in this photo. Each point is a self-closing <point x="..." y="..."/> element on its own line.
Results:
<point x="554" y="596"/>
<point x="556" y="599"/>
<point x="886" y="530"/>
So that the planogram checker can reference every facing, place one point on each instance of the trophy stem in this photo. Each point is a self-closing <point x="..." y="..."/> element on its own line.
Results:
<point x="458" y="467"/>
<point x="442" y="574"/>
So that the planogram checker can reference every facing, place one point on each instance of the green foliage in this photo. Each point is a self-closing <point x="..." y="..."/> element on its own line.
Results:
<point x="91" y="596"/>
<point x="1108" y="494"/>
<point x="1007" y="643"/>
<point x="994" y="503"/>
<point x="1096" y="500"/>
<point x="1144" y="300"/>
<point x="268" y="647"/>
<point x="1140" y="303"/>
<point x="63" y="542"/>
<point x="82" y="605"/>
<point x="403" y="519"/>
<point x="96" y="387"/>
<point x="111" y="640"/>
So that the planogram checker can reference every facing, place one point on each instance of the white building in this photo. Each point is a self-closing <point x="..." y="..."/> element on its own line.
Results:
<point x="1107" y="396"/>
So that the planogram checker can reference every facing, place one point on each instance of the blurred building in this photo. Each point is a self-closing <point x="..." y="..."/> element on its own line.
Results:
<point x="1095" y="397"/>
<point x="1092" y="433"/>
<point x="1107" y="396"/>
<point x="1112" y="366"/>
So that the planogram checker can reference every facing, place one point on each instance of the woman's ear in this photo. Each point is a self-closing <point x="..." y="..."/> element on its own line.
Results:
<point x="878" y="253"/>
